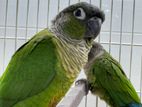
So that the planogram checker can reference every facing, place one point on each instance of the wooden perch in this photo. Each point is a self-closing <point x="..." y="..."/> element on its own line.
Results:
<point x="73" y="97"/>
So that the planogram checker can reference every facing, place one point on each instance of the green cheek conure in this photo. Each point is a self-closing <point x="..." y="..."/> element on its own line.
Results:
<point x="107" y="79"/>
<point x="43" y="69"/>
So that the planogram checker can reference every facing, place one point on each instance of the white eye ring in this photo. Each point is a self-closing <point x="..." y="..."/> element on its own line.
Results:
<point x="79" y="14"/>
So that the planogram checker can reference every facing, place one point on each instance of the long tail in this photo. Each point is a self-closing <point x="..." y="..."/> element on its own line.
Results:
<point x="135" y="105"/>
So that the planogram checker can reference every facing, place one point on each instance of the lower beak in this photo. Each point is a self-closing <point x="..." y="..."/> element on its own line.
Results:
<point x="93" y="28"/>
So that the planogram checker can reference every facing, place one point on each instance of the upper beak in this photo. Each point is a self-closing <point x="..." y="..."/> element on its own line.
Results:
<point x="93" y="28"/>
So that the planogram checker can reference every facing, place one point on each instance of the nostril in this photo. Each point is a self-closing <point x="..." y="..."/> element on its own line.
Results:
<point x="95" y="18"/>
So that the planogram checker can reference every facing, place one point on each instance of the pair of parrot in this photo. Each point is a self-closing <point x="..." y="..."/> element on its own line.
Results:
<point x="42" y="70"/>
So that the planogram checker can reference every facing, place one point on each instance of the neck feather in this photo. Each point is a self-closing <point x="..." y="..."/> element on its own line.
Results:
<point x="73" y="55"/>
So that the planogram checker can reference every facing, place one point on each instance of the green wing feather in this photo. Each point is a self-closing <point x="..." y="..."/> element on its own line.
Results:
<point x="117" y="90"/>
<point x="30" y="71"/>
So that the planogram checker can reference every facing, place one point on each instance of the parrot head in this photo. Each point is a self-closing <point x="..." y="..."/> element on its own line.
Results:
<point x="81" y="21"/>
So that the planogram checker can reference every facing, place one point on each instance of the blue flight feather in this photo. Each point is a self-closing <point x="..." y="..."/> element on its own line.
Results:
<point x="135" y="105"/>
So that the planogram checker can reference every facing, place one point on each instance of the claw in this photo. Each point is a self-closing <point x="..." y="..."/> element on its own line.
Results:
<point x="83" y="81"/>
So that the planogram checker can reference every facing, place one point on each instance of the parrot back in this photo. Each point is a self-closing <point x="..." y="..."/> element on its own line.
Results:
<point x="108" y="80"/>
<point x="32" y="76"/>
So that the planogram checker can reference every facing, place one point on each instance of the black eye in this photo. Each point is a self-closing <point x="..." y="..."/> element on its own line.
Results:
<point x="79" y="13"/>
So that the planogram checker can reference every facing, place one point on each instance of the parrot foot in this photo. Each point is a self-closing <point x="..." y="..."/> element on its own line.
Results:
<point x="83" y="81"/>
